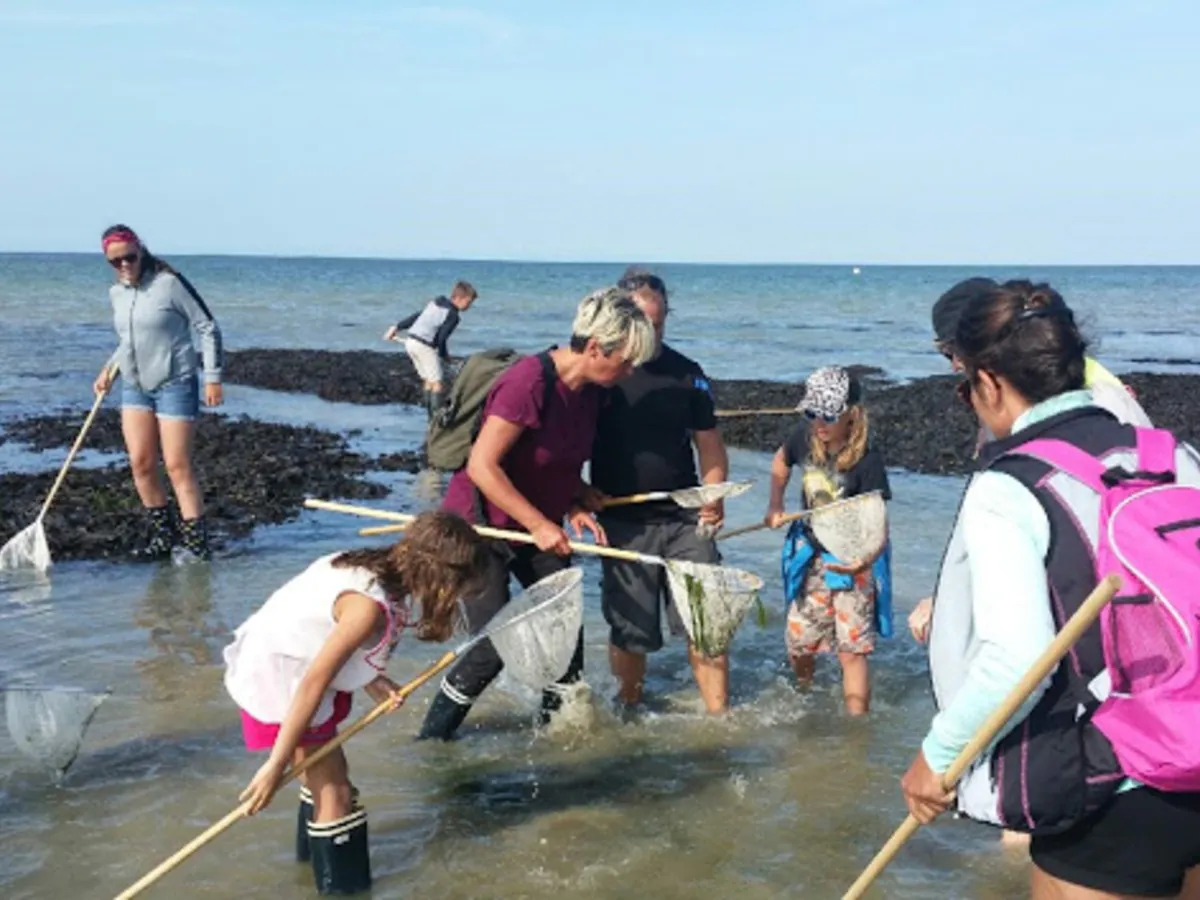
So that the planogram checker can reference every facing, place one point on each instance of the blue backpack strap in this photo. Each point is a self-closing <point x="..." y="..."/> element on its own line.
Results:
<point x="882" y="572"/>
<point x="795" y="558"/>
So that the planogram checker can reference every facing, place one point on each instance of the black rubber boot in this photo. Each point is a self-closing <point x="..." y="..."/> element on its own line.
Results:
<point x="193" y="537"/>
<point x="341" y="859"/>
<point x="446" y="713"/>
<point x="437" y="400"/>
<point x="162" y="535"/>
<point x="427" y="403"/>
<point x="303" y="817"/>
<point x="551" y="698"/>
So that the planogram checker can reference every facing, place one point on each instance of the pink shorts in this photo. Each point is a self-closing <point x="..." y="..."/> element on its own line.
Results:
<point x="261" y="735"/>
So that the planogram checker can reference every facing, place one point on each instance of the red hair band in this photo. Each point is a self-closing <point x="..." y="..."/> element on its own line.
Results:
<point x="124" y="236"/>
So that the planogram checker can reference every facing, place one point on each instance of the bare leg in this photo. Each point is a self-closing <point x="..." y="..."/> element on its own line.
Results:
<point x="856" y="683"/>
<point x="1191" y="884"/>
<point x="1017" y="839"/>
<point x="1043" y="886"/>
<point x="630" y="671"/>
<point x="805" y="667"/>
<point x="177" y="437"/>
<point x="329" y="781"/>
<point x="140" y="428"/>
<point x="712" y="678"/>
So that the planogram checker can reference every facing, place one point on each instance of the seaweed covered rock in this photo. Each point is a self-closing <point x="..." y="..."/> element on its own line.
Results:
<point x="368" y="377"/>
<point x="253" y="473"/>
<point x="920" y="426"/>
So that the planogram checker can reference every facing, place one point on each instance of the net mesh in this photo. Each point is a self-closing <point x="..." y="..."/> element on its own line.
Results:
<point x="536" y="633"/>
<point x="712" y="602"/>
<point x="47" y="725"/>
<point x="693" y="498"/>
<point x="1145" y="644"/>
<point x="26" y="549"/>
<point x="854" y="528"/>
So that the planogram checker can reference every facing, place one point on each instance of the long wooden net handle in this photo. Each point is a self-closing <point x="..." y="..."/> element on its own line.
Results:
<point x="1074" y="628"/>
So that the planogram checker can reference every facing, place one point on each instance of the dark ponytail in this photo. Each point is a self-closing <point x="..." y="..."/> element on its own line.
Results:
<point x="1025" y="333"/>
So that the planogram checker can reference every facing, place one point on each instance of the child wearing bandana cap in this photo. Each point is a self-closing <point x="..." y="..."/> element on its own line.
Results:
<point x="832" y="602"/>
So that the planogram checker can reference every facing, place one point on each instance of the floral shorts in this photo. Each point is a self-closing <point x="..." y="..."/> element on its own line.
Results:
<point x="825" y="621"/>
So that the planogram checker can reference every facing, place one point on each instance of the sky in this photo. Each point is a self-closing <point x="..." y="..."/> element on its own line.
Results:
<point x="847" y="131"/>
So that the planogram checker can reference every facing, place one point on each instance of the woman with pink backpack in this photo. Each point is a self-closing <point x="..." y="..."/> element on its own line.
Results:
<point x="1066" y="490"/>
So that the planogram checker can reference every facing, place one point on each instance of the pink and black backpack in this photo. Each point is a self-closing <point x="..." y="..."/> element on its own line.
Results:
<point x="1149" y="536"/>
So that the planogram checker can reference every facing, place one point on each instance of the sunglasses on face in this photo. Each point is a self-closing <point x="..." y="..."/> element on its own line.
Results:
<point x="812" y="415"/>
<point x="117" y="261"/>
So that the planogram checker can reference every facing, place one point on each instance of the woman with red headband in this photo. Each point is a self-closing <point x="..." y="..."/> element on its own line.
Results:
<point x="155" y="311"/>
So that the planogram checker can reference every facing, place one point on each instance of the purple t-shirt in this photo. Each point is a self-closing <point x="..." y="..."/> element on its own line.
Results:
<point x="545" y="462"/>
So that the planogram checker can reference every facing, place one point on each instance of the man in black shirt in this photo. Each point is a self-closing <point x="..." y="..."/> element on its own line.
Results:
<point x="648" y="427"/>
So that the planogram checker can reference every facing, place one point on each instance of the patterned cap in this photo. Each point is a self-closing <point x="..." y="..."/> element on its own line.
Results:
<point x="829" y="392"/>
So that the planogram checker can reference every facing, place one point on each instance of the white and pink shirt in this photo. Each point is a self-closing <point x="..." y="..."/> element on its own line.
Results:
<point x="273" y="649"/>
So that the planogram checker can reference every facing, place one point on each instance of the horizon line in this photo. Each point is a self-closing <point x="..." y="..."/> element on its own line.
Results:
<point x="317" y="257"/>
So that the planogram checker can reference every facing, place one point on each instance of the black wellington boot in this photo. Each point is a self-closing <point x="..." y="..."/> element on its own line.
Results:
<point x="303" y="817"/>
<point x="193" y="537"/>
<point x="162" y="535"/>
<point x="341" y="859"/>
<point x="445" y="714"/>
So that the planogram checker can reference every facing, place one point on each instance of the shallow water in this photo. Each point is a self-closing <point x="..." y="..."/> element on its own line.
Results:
<point x="785" y="797"/>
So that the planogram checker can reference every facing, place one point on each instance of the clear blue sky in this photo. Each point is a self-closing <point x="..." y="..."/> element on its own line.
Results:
<point x="903" y="131"/>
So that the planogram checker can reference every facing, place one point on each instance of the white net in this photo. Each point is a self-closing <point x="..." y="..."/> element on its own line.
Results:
<point x="48" y="725"/>
<point x="693" y="498"/>
<point x="854" y="528"/>
<point x="712" y="602"/>
<point x="536" y="633"/>
<point x="26" y="549"/>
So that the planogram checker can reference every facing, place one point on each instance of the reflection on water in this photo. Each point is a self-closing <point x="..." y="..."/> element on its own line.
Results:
<point x="183" y="627"/>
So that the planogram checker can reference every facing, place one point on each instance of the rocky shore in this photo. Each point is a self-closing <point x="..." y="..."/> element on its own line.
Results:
<point x="253" y="473"/>
<point x="257" y="473"/>
<point x="918" y="425"/>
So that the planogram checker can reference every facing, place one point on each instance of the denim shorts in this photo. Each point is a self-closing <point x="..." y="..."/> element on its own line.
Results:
<point x="178" y="399"/>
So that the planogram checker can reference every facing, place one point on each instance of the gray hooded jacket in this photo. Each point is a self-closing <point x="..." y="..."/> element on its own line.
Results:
<point x="154" y="322"/>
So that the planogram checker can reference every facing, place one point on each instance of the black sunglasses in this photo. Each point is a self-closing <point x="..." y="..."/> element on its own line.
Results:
<point x="117" y="261"/>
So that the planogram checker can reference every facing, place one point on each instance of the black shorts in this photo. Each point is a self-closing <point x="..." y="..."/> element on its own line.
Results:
<point x="633" y="595"/>
<point x="1142" y="843"/>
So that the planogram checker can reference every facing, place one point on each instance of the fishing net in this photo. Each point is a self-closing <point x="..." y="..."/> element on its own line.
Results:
<point x="712" y="601"/>
<point x="26" y="549"/>
<point x="854" y="528"/>
<point x="536" y="633"/>
<point x="693" y="498"/>
<point x="48" y="725"/>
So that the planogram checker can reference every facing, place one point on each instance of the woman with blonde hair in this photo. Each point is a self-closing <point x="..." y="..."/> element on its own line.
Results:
<point x="832" y="601"/>
<point x="525" y="473"/>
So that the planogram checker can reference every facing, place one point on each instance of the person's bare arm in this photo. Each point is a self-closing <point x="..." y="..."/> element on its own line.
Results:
<point x="485" y="468"/>
<point x="357" y="619"/>
<point x="781" y="474"/>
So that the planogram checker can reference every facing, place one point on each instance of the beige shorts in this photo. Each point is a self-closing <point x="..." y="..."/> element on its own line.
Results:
<point x="424" y="359"/>
<point x="826" y="621"/>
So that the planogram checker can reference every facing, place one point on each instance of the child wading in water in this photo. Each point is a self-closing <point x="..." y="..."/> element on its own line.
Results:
<point x="293" y="665"/>
<point x="426" y="342"/>
<point x="832" y="605"/>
